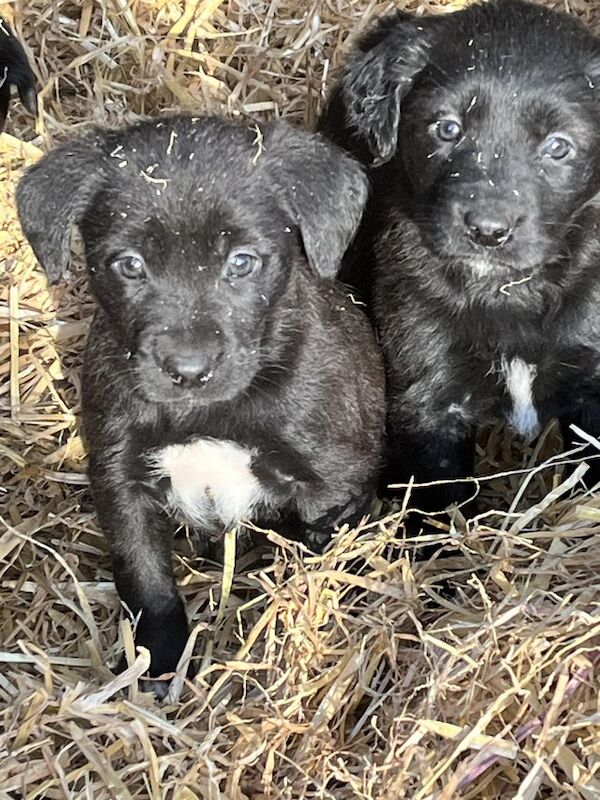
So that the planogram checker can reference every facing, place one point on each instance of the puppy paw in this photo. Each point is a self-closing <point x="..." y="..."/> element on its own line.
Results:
<point x="165" y="637"/>
<point x="159" y="688"/>
<point x="14" y="71"/>
<point x="317" y="541"/>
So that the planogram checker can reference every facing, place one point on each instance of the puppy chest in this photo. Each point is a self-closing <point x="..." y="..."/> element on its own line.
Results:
<point x="519" y="378"/>
<point x="211" y="481"/>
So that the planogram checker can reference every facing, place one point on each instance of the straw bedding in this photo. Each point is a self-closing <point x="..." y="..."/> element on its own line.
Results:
<point x="361" y="674"/>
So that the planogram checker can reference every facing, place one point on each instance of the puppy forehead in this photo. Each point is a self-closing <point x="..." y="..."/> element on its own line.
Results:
<point x="172" y="139"/>
<point x="519" y="39"/>
<point x="190" y="179"/>
<point x="506" y="90"/>
<point x="187" y="160"/>
<point x="486" y="95"/>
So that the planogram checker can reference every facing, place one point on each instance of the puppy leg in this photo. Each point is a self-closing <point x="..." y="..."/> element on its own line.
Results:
<point x="140" y="543"/>
<point x="587" y="417"/>
<point x="430" y="456"/>
<point x="318" y="531"/>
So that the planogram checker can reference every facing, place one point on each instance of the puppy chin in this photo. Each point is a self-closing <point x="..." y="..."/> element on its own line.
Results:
<point x="485" y="266"/>
<point x="491" y="262"/>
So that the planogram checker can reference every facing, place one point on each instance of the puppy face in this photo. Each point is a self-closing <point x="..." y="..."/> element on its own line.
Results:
<point x="500" y="141"/>
<point x="497" y="128"/>
<point x="189" y="277"/>
<point x="194" y="229"/>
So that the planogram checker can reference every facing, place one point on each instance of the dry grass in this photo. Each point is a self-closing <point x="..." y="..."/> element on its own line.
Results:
<point x="347" y="676"/>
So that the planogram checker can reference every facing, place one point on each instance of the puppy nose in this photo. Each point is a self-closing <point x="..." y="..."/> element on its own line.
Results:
<point x="489" y="230"/>
<point x="192" y="367"/>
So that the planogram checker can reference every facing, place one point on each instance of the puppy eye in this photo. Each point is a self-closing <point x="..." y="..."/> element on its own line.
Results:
<point x="448" y="130"/>
<point x="130" y="266"/>
<point x="241" y="263"/>
<point x="557" y="147"/>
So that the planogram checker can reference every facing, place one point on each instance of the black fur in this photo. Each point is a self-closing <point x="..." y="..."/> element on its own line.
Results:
<point x="14" y="71"/>
<point x="297" y="373"/>
<point x="484" y="248"/>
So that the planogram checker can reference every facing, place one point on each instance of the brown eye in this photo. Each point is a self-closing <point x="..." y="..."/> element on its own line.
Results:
<point x="130" y="265"/>
<point x="241" y="263"/>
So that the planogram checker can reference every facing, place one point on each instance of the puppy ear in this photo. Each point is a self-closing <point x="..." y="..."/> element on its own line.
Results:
<point x="53" y="196"/>
<point x="363" y="112"/>
<point x="323" y="189"/>
<point x="14" y="70"/>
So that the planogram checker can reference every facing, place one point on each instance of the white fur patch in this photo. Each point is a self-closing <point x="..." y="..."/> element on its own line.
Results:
<point x="457" y="410"/>
<point x="519" y="378"/>
<point x="481" y="267"/>
<point x="461" y="410"/>
<point x="211" y="481"/>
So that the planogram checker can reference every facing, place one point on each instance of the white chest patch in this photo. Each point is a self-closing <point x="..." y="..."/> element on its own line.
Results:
<point x="481" y="267"/>
<point x="519" y="378"/>
<point x="211" y="481"/>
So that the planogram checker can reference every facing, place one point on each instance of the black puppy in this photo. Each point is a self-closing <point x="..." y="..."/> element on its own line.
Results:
<point x="226" y="375"/>
<point x="14" y="71"/>
<point x="482" y="240"/>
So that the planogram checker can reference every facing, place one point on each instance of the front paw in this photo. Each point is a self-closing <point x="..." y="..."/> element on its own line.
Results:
<point x="165" y="637"/>
<point x="317" y="540"/>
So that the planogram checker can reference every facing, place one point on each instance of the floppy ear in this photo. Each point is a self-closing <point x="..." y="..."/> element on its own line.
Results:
<point x="363" y="113"/>
<point x="14" y="70"/>
<point x="323" y="189"/>
<point x="53" y="196"/>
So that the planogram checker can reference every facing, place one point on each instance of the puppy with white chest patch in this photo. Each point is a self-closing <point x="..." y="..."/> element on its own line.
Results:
<point x="226" y="377"/>
<point x="481" y="240"/>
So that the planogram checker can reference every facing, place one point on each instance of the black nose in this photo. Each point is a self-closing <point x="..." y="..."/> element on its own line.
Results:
<point x="489" y="230"/>
<point x="187" y="368"/>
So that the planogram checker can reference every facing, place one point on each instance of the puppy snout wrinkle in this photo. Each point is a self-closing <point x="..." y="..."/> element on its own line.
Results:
<point x="488" y="228"/>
